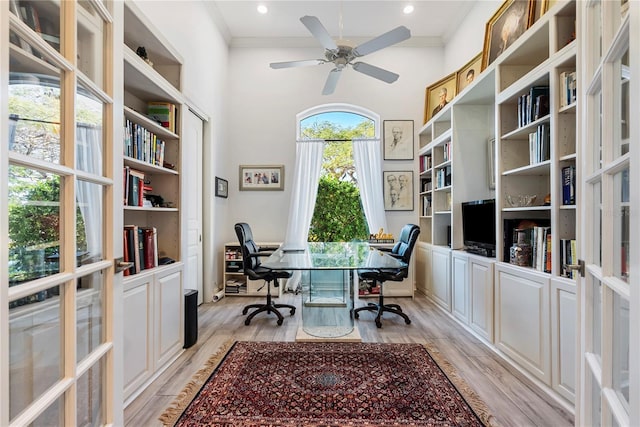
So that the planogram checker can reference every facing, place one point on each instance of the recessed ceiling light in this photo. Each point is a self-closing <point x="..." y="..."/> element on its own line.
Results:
<point x="408" y="9"/>
<point x="262" y="9"/>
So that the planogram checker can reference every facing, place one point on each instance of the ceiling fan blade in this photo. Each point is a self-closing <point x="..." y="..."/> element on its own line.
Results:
<point x="389" y="38"/>
<point x="332" y="81"/>
<point x="318" y="31"/>
<point x="289" y="64"/>
<point x="376" y="72"/>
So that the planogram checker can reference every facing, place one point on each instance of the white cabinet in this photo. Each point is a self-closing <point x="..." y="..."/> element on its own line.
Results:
<point x="423" y="268"/>
<point x="522" y="329"/>
<point x="460" y="286"/>
<point x="480" y="273"/>
<point x="441" y="276"/>
<point x="153" y="325"/>
<point x="563" y="337"/>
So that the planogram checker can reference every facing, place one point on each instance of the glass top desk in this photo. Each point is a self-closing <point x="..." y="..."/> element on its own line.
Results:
<point x="328" y="276"/>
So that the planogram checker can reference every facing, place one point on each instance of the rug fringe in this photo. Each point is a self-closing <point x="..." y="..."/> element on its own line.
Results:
<point x="477" y="404"/>
<point x="170" y="416"/>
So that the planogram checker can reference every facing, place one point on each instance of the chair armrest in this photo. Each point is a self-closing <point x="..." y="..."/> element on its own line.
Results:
<point x="260" y="254"/>
<point x="388" y="250"/>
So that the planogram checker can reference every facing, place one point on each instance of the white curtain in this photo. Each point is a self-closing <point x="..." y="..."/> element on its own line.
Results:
<point x="303" y="196"/>
<point x="89" y="195"/>
<point x="368" y="161"/>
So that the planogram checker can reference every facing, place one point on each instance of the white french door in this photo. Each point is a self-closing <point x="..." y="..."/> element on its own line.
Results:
<point x="609" y="297"/>
<point x="57" y="193"/>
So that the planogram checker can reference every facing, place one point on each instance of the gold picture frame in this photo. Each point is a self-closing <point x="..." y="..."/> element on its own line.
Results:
<point x="261" y="177"/>
<point x="445" y="87"/>
<point x="505" y="26"/>
<point x="466" y="74"/>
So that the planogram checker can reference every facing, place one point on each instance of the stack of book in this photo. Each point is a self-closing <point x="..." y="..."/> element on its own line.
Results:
<point x="134" y="187"/>
<point x="140" y="248"/>
<point x="164" y="113"/>
<point x="568" y="88"/>
<point x="534" y="105"/>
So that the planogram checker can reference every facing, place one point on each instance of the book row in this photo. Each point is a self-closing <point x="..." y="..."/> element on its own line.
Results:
<point x="140" y="248"/>
<point x="135" y="188"/>
<point x="569" y="185"/>
<point x="142" y="144"/>
<point x="539" y="144"/>
<point x="425" y="163"/>
<point x="533" y="105"/>
<point x="568" y="88"/>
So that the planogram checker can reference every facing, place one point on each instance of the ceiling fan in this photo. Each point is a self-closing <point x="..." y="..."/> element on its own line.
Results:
<point x="341" y="53"/>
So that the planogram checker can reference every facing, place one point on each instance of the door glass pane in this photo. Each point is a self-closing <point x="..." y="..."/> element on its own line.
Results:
<point x="34" y="111"/>
<point x="596" y="403"/>
<point x="89" y="313"/>
<point x="34" y="347"/>
<point x="41" y="16"/>
<point x="90" y="43"/>
<point x="90" y="396"/>
<point x="89" y="138"/>
<point x="52" y="416"/>
<point x="595" y="28"/>
<point x="595" y="105"/>
<point x="621" y="225"/>
<point x="596" y="232"/>
<point x="622" y="146"/>
<point x="596" y="320"/>
<point x="88" y="222"/>
<point x="34" y="224"/>
<point x="620" y="365"/>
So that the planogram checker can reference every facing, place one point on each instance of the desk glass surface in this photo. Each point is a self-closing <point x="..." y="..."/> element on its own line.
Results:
<point x="327" y="276"/>
<point x="332" y="256"/>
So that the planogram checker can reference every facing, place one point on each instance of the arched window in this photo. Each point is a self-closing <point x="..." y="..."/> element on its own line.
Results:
<point x="338" y="213"/>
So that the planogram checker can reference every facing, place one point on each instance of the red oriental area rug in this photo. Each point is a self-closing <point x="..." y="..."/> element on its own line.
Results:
<point x="327" y="384"/>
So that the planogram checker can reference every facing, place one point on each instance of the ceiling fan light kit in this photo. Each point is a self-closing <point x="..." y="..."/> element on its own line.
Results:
<point x="343" y="53"/>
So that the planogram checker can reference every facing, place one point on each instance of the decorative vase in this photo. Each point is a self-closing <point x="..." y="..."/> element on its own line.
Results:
<point x="520" y="252"/>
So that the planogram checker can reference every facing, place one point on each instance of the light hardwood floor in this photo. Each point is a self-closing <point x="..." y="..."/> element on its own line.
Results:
<point x="511" y="397"/>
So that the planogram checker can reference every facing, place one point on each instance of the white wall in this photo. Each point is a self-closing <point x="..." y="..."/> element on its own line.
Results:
<point x="468" y="40"/>
<point x="263" y="104"/>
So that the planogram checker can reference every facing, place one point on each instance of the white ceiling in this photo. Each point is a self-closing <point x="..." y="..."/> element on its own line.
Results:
<point x="432" y="22"/>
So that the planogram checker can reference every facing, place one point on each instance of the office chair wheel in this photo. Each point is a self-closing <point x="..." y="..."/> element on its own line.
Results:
<point x="247" y="322"/>
<point x="378" y="322"/>
<point x="279" y="322"/>
<point x="356" y="315"/>
<point x="407" y="321"/>
<point x="292" y="311"/>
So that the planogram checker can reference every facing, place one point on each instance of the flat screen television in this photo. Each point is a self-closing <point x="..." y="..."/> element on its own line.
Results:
<point x="479" y="226"/>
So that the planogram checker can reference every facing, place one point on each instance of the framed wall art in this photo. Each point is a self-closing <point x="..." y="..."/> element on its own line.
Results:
<point x="398" y="190"/>
<point x="505" y="26"/>
<point x="438" y="95"/>
<point x="398" y="139"/>
<point x="466" y="74"/>
<point x="222" y="187"/>
<point x="261" y="177"/>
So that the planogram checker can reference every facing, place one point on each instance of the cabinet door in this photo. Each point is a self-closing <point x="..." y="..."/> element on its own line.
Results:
<point x="137" y="327"/>
<point x="522" y="319"/>
<point x="481" y="297"/>
<point x="169" y="319"/>
<point x="441" y="277"/>
<point x="460" y="285"/>
<point x="563" y="337"/>
<point x="423" y="269"/>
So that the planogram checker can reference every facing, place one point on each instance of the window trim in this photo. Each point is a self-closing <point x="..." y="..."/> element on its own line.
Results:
<point x="338" y="107"/>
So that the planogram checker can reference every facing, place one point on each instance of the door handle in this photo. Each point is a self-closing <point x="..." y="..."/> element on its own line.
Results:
<point x="579" y="267"/>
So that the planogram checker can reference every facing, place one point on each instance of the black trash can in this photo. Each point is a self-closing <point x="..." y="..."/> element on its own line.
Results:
<point x="190" y="317"/>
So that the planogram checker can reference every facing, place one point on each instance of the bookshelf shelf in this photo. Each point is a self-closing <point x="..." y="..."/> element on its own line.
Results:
<point x="147" y="167"/>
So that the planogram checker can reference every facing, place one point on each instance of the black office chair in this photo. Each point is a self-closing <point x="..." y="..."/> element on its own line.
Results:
<point x="401" y="250"/>
<point x="255" y="271"/>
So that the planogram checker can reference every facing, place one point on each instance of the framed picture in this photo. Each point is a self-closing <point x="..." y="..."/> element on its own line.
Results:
<point x="505" y="26"/>
<point x="256" y="177"/>
<point x="398" y="190"/>
<point x="222" y="187"/>
<point x="466" y="74"/>
<point x="438" y="95"/>
<point x="398" y="139"/>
